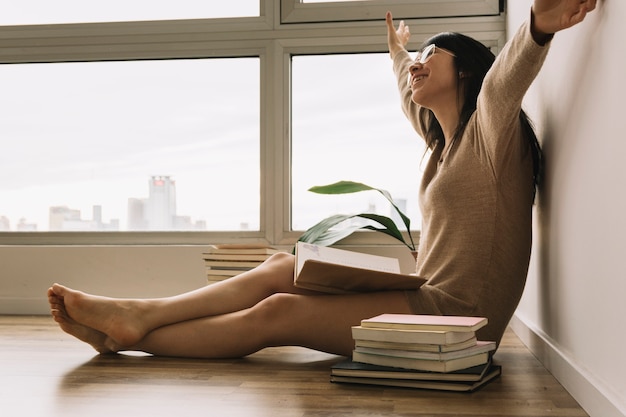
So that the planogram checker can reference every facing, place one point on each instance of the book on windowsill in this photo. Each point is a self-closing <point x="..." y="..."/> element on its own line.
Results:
<point x="241" y="249"/>
<point x="229" y="260"/>
<point x="466" y="380"/>
<point x="217" y="264"/>
<point x="339" y="271"/>
<point x="238" y="252"/>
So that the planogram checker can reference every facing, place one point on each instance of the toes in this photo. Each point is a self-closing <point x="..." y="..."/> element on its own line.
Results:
<point x="57" y="308"/>
<point x="59" y="314"/>
<point x="55" y="293"/>
<point x="110" y="346"/>
<point x="59" y="290"/>
<point x="56" y="316"/>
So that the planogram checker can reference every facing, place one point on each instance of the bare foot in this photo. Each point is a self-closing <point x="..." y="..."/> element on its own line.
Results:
<point x="95" y="319"/>
<point x="96" y="339"/>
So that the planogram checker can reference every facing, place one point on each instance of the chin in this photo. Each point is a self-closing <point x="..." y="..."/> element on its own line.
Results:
<point x="419" y="100"/>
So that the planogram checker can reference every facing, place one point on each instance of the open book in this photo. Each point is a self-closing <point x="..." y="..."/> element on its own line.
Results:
<point x="339" y="271"/>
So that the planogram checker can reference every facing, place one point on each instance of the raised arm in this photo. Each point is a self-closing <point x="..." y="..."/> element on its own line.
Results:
<point x="517" y="65"/>
<point x="551" y="16"/>
<point x="397" y="39"/>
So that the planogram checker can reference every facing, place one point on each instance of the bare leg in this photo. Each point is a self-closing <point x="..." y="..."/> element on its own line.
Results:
<point x="321" y="322"/>
<point x="127" y="321"/>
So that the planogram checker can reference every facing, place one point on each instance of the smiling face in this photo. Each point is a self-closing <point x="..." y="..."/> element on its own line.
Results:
<point x="433" y="79"/>
<point x="447" y="84"/>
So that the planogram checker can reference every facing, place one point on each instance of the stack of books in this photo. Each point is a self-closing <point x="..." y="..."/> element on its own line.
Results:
<point x="419" y="351"/>
<point x="225" y="261"/>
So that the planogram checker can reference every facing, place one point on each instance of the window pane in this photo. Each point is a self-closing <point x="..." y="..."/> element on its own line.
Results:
<point x="348" y="125"/>
<point x="156" y="145"/>
<point x="29" y="12"/>
<point x="298" y="11"/>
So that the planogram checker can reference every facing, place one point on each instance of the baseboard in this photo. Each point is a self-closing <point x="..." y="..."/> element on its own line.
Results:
<point x="24" y="306"/>
<point x="595" y="398"/>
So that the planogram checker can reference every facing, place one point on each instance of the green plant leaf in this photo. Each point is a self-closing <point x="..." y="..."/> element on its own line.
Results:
<point x="341" y="187"/>
<point x="333" y="236"/>
<point x="314" y="232"/>
<point x="390" y="227"/>
<point x="321" y="233"/>
<point x="347" y="187"/>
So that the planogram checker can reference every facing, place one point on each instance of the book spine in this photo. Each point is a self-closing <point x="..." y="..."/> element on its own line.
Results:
<point x="425" y="322"/>
<point x="480" y="347"/>
<point x="408" y="336"/>
<point x="420" y="364"/>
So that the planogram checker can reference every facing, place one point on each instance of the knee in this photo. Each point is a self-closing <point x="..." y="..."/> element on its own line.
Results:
<point x="278" y="272"/>
<point x="281" y="261"/>
<point x="274" y="310"/>
<point x="275" y="306"/>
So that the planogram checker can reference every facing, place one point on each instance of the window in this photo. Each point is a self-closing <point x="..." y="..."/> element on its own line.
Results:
<point x="131" y="145"/>
<point x="31" y="12"/>
<point x="294" y="11"/>
<point x="130" y="105"/>
<point x="359" y="134"/>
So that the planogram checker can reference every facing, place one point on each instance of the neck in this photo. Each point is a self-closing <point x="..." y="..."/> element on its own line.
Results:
<point x="448" y="114"/>
<point x="449" y="122"/>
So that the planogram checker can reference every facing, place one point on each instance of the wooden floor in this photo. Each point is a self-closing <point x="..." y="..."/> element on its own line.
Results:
<point x="44" y="372"/>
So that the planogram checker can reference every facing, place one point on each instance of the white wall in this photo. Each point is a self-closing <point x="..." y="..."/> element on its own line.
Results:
<point x="134" y="271"/>
<point x="574" y="308"/>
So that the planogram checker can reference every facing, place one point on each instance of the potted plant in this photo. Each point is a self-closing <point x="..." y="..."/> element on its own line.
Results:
<point x="324" y="234"/>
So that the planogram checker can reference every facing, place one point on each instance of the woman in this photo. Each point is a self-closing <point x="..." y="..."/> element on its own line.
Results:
<point x="476" y="200"/>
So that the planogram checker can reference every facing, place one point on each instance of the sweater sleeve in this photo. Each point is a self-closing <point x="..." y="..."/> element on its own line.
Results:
<point x="401" y="63"/>
<point x="500" y="99"/>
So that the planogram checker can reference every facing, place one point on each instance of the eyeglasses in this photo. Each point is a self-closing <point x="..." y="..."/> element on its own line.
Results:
<point x="428" y="52"/>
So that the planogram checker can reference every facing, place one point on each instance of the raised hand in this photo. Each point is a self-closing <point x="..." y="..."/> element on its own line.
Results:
<point x="551" y="16"/>
<point x="397" y="39"/>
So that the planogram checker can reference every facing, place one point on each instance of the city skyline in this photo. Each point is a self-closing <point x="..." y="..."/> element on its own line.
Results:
<point x="157" y="211"/>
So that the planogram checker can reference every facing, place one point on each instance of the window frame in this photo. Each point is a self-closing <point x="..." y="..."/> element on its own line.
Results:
<point x="297" y="11"/>
<point x="265" y="36"/>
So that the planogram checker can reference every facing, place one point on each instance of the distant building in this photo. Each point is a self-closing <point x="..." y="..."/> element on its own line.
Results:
<point x="63" y="218"/>
<point x="24" y="226"/>
<point x="185" y="223"/>
<point x="158" y="211"/>
<point x="5" y="224"/>
<point x="161" y="204"/>
<point x="136" y="216"/>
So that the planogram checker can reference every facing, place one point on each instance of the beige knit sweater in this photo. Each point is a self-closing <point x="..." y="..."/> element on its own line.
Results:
<point x="476" y="200"/>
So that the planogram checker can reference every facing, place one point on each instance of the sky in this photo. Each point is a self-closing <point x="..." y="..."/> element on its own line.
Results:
<point x="84" y="134"/>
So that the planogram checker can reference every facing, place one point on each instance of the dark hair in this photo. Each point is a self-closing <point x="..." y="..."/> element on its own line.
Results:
<point x="473" y="59"/>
